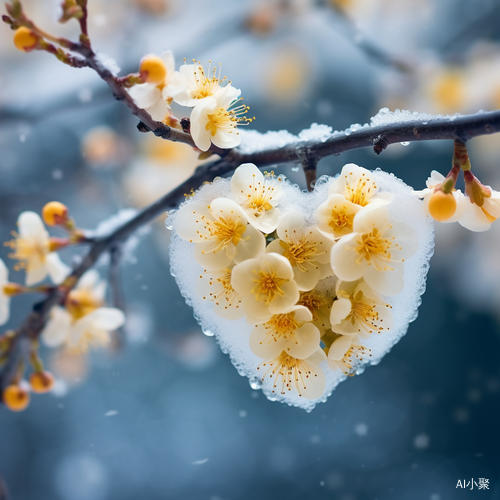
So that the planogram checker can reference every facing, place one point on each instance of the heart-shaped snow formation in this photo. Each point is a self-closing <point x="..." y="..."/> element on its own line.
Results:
<point x="233" y="335"/>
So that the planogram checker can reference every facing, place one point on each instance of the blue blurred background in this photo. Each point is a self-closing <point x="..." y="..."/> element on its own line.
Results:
<point x="168" y="417"/>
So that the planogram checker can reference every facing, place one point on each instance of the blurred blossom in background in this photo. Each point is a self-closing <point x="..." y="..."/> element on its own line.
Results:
<point x="169" y="417"/>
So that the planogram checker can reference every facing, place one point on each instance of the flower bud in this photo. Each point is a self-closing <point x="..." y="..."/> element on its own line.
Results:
<point x="153" y="69"/>
<point x="42" y="382"/>
<point x="24" y="39"/>
<point x="16" y="398"/>
<point x="442" y="206"/>
<point x="55" y="213"/>
<point x="476" y="191"/>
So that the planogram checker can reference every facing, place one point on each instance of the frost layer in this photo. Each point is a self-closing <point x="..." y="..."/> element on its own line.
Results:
<point x="233" y="336"/>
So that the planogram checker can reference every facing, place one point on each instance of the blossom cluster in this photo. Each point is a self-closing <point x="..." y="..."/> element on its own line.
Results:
<point x="216" y="104"/>
<point x="313" y="287"/>
<point x="475" y="210"/>
<point x="79" y="322"/>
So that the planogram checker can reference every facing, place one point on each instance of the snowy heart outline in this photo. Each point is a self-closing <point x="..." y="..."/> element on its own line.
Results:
<point x="233" y="335"/>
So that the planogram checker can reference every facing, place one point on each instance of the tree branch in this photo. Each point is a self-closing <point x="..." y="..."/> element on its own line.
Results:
<point x="305" y="152"/>
<point x="464" y="127"/>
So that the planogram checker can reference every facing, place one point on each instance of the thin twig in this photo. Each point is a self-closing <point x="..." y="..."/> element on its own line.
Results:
<point x="309" y="165"/>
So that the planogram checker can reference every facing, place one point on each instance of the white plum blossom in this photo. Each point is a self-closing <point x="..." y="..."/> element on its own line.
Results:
<point x="266" y="286"/>
<point x="335" y="216"/>
<point x="214" y="121"/>
<point x="346" y="352"/>
<point x="289" y="374"/>
<point x="434" y="182"/>
<point x="216" y="286"/>
<point x="198" y="85"/>
<point x="4" y="297"/>
<point x="155" y="97"/>
<point x="220" y="231"/>
<point x="32" y="248"/>
<point x="375" y="250"/>
<point x="83" y="323"/>
<point x="358" y="310"/>
<point x="479" y="218"/>
<point x="291" y="332"/>
<point x="259" y="195"/>
<point x="305" y="247"/>
<point x="358" y="186"/>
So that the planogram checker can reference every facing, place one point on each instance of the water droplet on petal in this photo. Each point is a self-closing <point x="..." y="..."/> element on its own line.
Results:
<point x="168" y="220"/>
<point x="255" y="383"/>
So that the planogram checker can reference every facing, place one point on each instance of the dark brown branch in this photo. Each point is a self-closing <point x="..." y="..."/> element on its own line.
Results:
<point x="379" y="137"/>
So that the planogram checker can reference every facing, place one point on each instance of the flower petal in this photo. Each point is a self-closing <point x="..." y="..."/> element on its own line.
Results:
<point x="106" y="318"/>
<point x="243" y="179"/>
<point x="290" y="297"/>
<point x="57" y="329"/>
<point x="210" y="259"/>
<point x="386" y="282"/>
<point x="264" y="344"/>
<point x="57" y="270"/>
<point x="341" y="308"/>
<point x="31" y="225"/>
<point x="145" y="95"/>
<point x="344" y="259"/>
<point x="304" y="343"/>
<point x="252" y="246"/>
<point x="35" y="272"/>
<point x="339" y="347"/>
<point x="199" y="120"/>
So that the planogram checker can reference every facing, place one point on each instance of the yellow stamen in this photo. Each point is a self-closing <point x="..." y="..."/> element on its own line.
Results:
<point x="340" y="221"/>
<point x="376" y="249"/>
<point x="360" y="191"/>
<point x="81" y="302"/>
<point x="259" y="201"/>
<point x="206" y="86"/>
<point x="363" y="311"/>
<point x="312" y="302"/>
<point x="30" y="252"/>
<point x="300" y="251"/>
<point x="288" y="372"/>
<point x="268" y="286"/>
<point x="222" y="292"/>
<point x="281" y="326"/>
